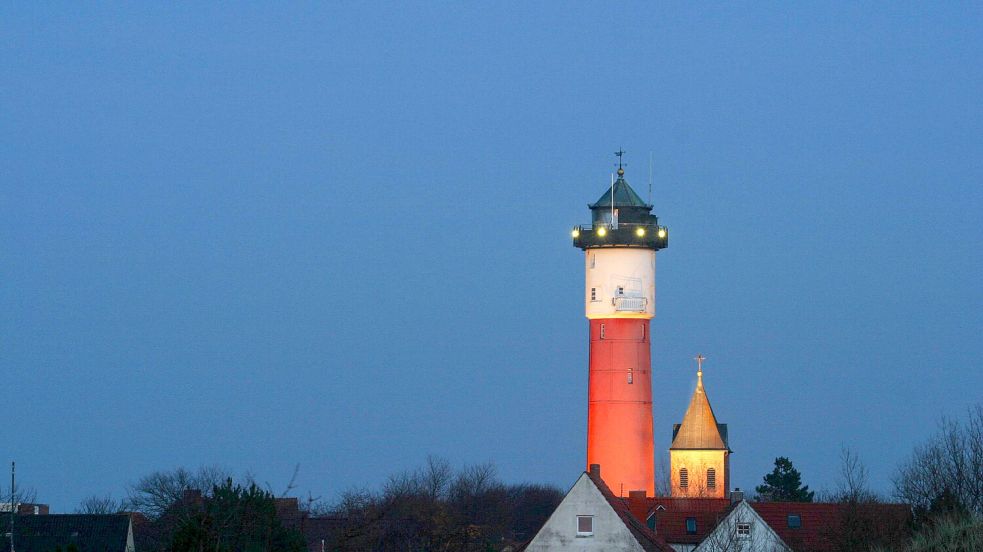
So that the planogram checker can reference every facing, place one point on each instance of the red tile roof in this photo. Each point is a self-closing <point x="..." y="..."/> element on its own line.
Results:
<point x="650" y="541"/>
<point x="819" y="522"/>
<point x="671" y="514"/>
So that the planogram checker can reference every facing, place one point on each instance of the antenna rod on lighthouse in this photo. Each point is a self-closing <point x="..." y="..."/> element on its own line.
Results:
<point x="650" y="178"/>
<point x="612" y="201"/>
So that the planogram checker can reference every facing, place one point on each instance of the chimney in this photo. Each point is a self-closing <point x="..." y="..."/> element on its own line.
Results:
<point x="595" y="470"/>
<point x="737" y="495"/>
<point x="636" y="495"/>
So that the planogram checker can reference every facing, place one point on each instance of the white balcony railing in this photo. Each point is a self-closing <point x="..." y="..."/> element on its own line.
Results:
<point x="629" y="304"/>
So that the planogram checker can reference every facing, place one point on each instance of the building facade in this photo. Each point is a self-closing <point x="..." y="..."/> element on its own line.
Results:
<point x="699" y="457"/>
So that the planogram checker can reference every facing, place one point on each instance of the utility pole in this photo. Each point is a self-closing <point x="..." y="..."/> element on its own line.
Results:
<point x="13" y="505"/>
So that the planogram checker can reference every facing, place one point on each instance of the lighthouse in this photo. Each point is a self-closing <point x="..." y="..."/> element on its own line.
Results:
<point x="619" y="300"/>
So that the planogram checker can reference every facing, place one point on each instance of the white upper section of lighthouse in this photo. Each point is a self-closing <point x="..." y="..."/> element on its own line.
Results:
<point x="620" y="282"/>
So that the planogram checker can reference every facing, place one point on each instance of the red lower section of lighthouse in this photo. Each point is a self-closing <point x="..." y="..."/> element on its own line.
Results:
<point x="619" y="397"/>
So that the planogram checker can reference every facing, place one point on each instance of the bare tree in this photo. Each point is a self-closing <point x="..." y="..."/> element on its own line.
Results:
<point x="946" y="473"/>
<point x="853" y="484"/>
<point x="435" y="509"/>
<point x="663" y="477"/>
<point x="154" y="494"/>
<point x="99" y="505"/>
<point x="435" y="477"/>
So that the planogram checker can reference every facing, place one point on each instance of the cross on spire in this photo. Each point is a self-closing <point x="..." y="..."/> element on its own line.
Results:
<point x="699" y="358"/>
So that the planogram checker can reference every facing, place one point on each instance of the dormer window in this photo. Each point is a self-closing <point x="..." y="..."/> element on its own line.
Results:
<point x="691" y="526"/>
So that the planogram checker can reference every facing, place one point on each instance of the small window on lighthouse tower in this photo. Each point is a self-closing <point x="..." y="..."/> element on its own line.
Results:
<point x="592" y="260"/>
<point x="630" y="377"/>
<point x="593" y="294"/>
<point x="621" y="290"/>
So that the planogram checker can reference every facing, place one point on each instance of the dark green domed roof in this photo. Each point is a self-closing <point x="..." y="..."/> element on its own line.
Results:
<point x="624" y="196"/>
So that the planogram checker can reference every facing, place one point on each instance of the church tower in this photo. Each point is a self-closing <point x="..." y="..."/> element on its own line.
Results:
<point x="699" y="456"/>
<point x="619" y="301"/>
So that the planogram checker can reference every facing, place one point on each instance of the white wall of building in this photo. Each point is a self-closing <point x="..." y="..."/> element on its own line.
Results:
<point x="726" y="538"/>
<point x="560" y="531"/>
<point x="618" y="279"/>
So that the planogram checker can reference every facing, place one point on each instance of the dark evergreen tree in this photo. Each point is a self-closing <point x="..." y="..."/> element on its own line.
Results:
<point x="235" y="518"/>
<point x="784" y="484"/>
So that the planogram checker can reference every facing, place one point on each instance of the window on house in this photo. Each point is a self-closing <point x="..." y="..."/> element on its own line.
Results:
<point x="630" y="377"/>
<point x="691" y="526"/>
<point x="683" y="477"/>
<point x="711" y="478"/>
<point x="743" y="530"/>
<point x="585" y="526"/>
<point x="794" y="521"/>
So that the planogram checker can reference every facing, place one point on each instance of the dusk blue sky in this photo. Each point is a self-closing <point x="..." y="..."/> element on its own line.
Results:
<point x="337" y="235"/>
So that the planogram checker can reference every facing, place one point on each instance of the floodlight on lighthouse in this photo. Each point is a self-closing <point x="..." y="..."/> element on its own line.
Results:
<point x="602" y="231"/>
<point x="640" y="232"/>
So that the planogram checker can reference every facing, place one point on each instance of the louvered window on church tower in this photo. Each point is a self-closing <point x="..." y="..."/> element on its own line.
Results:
<point x="711" y="478"/>
<point x="683" y="478"/>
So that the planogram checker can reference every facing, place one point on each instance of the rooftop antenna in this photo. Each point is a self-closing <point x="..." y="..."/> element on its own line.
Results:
<point x="612" y="201"/>
<point x="650" y="178"/>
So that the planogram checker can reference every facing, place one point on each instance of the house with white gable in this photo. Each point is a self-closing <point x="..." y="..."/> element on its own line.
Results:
<point x="742" y="530"/>
<point x="592" y="518"/>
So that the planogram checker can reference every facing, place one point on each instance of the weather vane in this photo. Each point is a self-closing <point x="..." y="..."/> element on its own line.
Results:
<point x="620" y="153"/>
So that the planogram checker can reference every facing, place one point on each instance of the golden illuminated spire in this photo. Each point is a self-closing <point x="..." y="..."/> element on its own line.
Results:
<point x="699" y="429"/>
